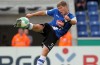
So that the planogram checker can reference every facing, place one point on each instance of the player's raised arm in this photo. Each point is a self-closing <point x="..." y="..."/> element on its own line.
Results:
<point x="73" y="21"/>
<point x="39" y="13"/>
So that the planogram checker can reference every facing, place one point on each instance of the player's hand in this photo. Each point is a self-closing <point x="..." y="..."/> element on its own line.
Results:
<point x="60" y="23"/>
<point x="29" y="15"/>
<point x="66" y="18"/>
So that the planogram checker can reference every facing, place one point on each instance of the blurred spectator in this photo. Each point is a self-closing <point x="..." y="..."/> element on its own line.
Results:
<point x="20" y="39"/>
<point x="3" y="40"/>
<point x="29" y="36"/>
<point x="80" y="5"/>
<point x="66" y="40"/>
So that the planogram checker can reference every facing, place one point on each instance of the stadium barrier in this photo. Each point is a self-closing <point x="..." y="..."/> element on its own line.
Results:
<point x="89" y="41"/>
<point x="57" y="56"/>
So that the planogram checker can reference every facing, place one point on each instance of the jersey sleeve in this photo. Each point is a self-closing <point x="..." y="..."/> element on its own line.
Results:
<point x="72" y="17"/>
<point x="50" y="12"/>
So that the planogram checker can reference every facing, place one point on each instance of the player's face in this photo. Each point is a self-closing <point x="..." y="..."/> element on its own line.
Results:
<point x="63" y="10"/>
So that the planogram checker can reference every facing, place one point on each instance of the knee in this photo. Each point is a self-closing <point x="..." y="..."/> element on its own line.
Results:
<point x="38" y="26"/>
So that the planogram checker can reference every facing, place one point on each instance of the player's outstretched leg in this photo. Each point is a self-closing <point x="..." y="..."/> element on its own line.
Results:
<point x="43" y="56"/>
<point x="36" y="27"/>
<point x="23" y="22"/>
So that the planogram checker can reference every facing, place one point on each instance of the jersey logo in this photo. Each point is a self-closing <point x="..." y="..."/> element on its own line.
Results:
<point x="57" y="16"/>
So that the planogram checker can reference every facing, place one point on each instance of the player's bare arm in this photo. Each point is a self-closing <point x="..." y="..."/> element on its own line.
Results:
<point x="72" y="21"/>
<point x="36" y="27"/>
<point x="39" y="13"/>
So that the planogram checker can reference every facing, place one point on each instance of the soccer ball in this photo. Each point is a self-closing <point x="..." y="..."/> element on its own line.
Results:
<point x="23" y="21"/>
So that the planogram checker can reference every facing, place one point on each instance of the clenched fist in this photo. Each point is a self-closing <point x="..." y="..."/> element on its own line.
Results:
<point x="66" y="18"/>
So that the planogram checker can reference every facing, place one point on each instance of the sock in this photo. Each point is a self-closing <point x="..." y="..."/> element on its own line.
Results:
<point x="30" y="26"/>
<point x="41" y="60"/>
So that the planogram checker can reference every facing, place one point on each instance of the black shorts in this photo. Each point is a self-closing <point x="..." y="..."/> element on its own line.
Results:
<point x="50" y="36"/>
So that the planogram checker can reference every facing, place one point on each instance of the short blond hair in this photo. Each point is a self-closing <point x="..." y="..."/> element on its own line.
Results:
<point x="62" y="3"/>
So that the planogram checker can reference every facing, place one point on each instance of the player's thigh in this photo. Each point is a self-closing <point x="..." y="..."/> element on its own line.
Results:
<point x="50" y="36"/>
<point x="50" y="40"/>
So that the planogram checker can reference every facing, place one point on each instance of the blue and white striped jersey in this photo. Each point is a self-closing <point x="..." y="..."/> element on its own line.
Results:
<point x="60" y="31"/>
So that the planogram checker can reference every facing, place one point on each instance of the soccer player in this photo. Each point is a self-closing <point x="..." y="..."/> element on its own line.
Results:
<point x="53" y="30"/>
